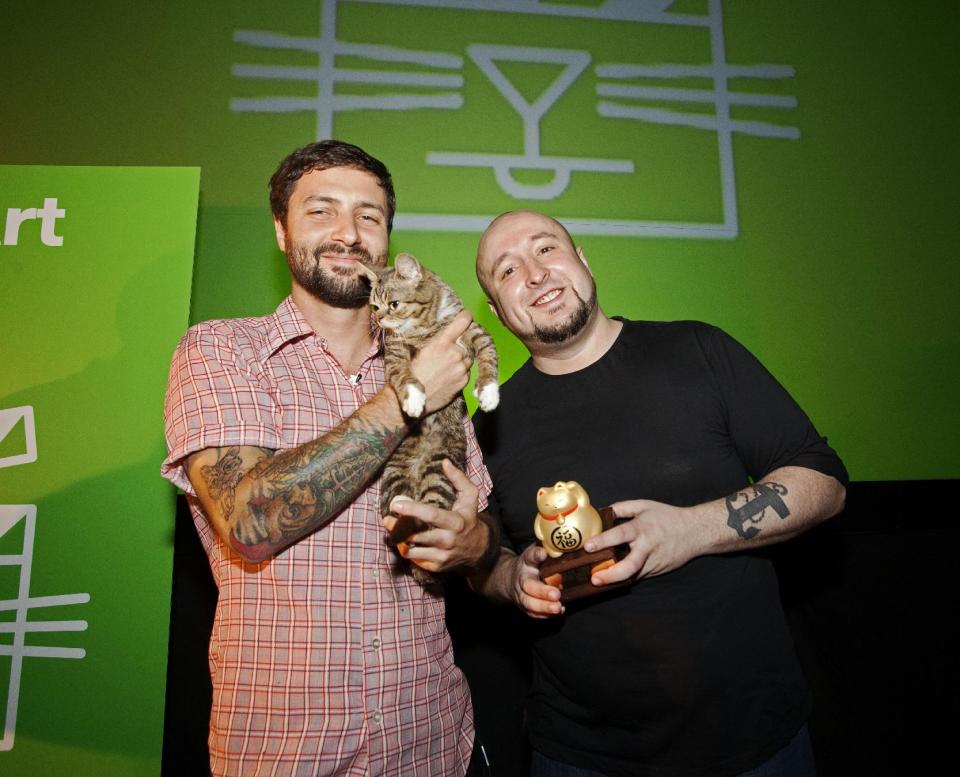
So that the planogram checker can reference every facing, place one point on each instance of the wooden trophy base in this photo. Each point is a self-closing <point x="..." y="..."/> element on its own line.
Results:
<point x="571" y="572"/>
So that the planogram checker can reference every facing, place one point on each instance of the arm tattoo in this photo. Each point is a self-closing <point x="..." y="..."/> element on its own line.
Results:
<point x="300" y="489"/>
<point x="745" y="511"/>
<point x="222" y="478"/>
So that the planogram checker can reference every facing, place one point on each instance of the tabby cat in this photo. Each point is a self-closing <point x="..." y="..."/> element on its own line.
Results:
<point x="411" y="304"/>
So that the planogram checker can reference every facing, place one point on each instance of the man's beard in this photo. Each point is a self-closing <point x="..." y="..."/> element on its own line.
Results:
<point x="339" y="287"/>
<point x="563" y="331"/>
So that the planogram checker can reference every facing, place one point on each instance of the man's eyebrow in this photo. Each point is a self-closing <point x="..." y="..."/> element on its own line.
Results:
<point x="375" y="205"/>
<point x="498" y="261"/>
<point x="326" y="198"/>
<point x="314" y="198"/>
<point x="530" y="239"/>
<point x="539" y="235"/>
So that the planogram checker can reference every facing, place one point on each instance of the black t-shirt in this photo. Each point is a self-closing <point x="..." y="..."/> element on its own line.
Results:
<point x="692" y="672"/>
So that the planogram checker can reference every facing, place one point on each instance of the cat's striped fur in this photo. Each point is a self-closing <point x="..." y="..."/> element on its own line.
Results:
<point x="411" y="304"/>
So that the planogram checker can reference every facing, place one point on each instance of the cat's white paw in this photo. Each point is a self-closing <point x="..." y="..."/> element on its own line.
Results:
<point x="414" y="400"/>
<point x="488" y="397"/>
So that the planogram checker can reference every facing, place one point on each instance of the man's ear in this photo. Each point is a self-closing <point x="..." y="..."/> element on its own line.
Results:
<point x="493" y="309"/>
<point x="281" y="234"/>
<point x="582" y="257"/>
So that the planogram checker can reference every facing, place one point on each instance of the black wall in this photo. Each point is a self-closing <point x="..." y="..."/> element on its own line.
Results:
<point x="870" y="596"/>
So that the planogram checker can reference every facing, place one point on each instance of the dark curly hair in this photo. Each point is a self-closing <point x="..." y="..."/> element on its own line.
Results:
<point x="322" y="155"/>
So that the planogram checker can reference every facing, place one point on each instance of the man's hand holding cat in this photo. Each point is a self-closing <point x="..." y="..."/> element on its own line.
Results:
<point x="456" y="537"/>
<point x="442" y="366"/>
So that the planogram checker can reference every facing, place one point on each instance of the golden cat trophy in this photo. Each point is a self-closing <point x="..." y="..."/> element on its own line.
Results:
<point x="565" y="521"/>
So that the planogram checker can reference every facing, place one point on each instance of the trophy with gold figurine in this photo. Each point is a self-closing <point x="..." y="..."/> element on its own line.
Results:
<point x="565" y="521"/>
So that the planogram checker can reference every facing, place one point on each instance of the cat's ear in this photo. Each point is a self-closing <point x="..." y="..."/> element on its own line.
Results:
<point x="371" y="273"/>
<point x="407" y="267"/>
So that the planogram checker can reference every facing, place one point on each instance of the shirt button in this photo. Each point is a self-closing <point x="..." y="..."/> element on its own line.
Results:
<point x="376" y="642"/>
<point x="377" y="716"/>
<point x="376" y="573"/>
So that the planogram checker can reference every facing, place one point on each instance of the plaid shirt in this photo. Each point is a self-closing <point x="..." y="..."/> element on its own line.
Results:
<point x="326" y="660"/>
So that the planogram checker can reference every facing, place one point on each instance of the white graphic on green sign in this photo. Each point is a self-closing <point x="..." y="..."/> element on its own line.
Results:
<point x="21" y="605"/>
<point x="47" y="216"/>
<point x="629" y="93"/>
<point x="12" y="419"/>
<point x="574" y="62"/>
<point x="87" y="329"/>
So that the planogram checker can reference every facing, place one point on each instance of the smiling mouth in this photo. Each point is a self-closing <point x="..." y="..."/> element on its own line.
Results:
<point x="547" y="298"/>
<point x="332" y="252"/>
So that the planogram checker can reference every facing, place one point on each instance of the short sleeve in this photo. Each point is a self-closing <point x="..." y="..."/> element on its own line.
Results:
<point x="768" y="428"/>
<point x="214" y="399"/>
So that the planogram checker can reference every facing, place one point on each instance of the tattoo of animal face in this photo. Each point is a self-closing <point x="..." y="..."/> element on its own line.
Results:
<point x="746" y="511"/>
<point x="222" y="478"/>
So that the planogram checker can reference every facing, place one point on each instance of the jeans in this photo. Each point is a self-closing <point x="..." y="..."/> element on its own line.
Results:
<point x="794" y="760"/>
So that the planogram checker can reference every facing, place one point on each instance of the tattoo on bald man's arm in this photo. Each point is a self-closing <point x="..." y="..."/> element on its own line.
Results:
<point x="746" y="511"/>
<point x="299" y="490"/>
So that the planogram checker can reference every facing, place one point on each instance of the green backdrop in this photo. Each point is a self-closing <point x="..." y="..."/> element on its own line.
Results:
<point x="820" y="136"/>
<point x="95" y="296"/>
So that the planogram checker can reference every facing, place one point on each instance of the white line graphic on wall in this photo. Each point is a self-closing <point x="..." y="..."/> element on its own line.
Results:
<point x="11" y="516"/>
<point x="436" y="74"/>
<point x="619" y="97"/>
<point x="10" y="417"/>
<point x="574" y="62"/>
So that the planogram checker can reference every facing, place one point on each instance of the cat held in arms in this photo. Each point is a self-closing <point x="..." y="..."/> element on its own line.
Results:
<point x="411" y="304"/>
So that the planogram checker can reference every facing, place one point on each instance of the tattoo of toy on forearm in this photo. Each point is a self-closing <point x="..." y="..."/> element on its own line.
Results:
<point x="747" y="509"/>
<point x="302" y="490"/>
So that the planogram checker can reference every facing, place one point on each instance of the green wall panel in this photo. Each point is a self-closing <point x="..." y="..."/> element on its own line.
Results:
<point x="840" y="276"/>
<point x="87" y="327"/>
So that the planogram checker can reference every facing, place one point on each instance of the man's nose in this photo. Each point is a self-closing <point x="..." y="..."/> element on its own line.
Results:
<point x="536" y="273"/>
<point x="345" y="230"/>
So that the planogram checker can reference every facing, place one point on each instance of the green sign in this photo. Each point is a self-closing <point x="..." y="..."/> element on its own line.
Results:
<point x="95" y="272"/>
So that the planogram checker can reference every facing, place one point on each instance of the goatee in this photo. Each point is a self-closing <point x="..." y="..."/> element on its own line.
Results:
<point x="337" y="286"/>
<point x="573" y="325"/>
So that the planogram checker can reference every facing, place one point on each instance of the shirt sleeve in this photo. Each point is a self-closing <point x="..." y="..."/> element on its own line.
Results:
<point x="476" y="470"/>
<point x="214" y="399"/>
<point x="768" y="428"/>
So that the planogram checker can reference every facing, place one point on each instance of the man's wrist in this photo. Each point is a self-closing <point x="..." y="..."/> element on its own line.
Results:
<point x="492" y="550"/>
<point x="391" y="391"/>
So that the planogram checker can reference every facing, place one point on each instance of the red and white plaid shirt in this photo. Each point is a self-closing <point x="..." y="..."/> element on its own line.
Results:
<point x="327" y="659"/>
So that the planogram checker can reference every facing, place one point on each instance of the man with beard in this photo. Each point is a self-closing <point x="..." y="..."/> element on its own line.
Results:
<point x="326" y="657"/>
<point x="689" y="670"/>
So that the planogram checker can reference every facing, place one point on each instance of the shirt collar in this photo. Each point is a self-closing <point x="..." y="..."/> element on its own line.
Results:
<point x="287" y="324"/>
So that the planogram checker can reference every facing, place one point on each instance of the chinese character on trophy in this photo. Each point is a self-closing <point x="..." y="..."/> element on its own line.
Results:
<point x="565" y="521"/>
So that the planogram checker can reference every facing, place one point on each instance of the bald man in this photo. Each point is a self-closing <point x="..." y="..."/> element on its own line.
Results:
<point x="690" y="671"/>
